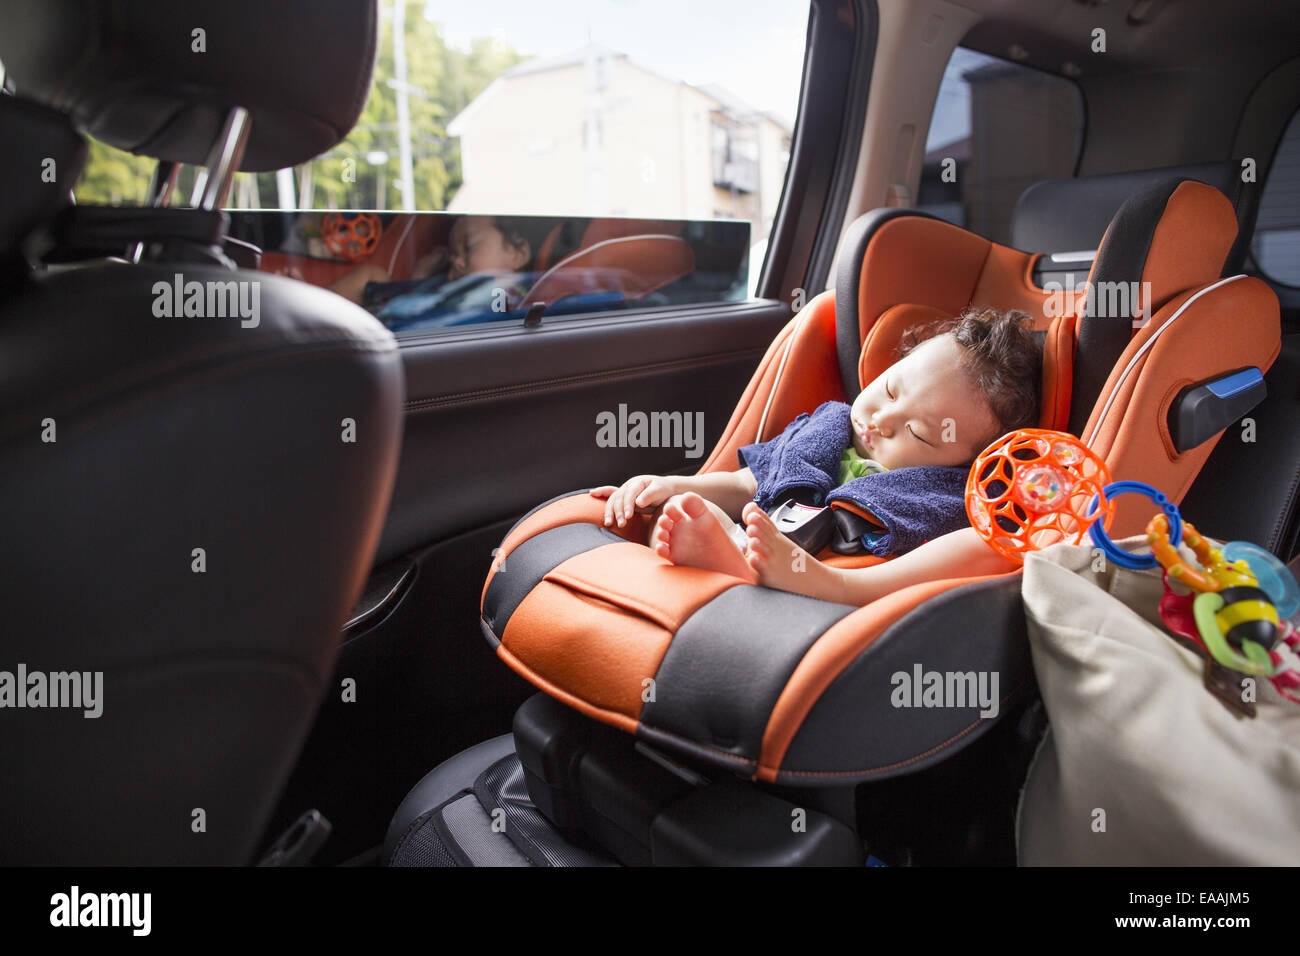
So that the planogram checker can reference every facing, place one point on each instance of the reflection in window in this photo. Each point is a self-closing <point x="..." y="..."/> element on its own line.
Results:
<point x="422" y="272"/>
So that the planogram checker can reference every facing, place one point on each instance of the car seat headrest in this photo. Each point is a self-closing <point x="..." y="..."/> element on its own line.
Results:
<point x="1069" y="215"/>
<point x="1166" y="239"/>
<point x="159" y="78"/>
<point x="50" y="137"/>
<point x="880" y="350"/>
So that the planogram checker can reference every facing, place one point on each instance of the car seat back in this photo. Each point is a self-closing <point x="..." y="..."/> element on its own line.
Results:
<point x="197" y="459"/>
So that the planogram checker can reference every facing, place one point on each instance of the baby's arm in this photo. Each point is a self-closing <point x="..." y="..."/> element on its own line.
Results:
<point x="781" y="564"/>
<point x="956" y="554"/>
<point x="729" y="490"/>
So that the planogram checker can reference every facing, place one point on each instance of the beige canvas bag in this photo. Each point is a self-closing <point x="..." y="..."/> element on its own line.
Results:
<point x="1142" y="766"/>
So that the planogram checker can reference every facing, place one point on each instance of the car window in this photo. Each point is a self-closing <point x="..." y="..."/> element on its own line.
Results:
<point x="1275" y="245"/>
<point x="424" y="271"/>
<point x="998" y="127"/>
<point x="568" y="112"/>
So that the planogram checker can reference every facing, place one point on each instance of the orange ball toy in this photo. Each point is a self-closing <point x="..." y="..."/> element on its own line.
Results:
<point x="351" y="235"/>
<point x="1031" y="488"/>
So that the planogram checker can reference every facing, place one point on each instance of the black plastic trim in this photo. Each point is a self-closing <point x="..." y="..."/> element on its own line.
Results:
<point x="1197" y="414"/>
<point x="383" y="592"/>
<point x="825" y="147"/>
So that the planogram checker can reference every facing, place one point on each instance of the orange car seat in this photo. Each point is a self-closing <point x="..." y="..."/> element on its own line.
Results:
<point x="741" y="695"/>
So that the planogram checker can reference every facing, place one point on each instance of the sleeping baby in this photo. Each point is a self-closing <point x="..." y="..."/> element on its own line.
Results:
<point x="897" y="458"/>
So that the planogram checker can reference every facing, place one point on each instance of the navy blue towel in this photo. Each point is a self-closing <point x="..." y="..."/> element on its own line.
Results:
<point x="914" y="504"/>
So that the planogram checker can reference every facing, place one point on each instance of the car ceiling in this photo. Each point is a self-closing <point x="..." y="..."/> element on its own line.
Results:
<point x="1245" y="38"/>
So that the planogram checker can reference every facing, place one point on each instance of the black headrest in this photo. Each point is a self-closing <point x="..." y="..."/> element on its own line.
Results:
<point x="1071" y="215"/>
<point x="158" y="77"/>
<point x="52" y="157"/>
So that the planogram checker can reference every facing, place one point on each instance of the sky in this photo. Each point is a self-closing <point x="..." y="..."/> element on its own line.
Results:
<point x="951" y="120"/>
<point x="754" y="48"/>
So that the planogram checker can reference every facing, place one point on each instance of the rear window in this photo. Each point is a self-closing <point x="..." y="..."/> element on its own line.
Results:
<point x="1275" y="246"/>
<point x="998" y="127"/>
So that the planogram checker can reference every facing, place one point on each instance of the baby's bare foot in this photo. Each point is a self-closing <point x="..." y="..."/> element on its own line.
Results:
<point x="780" y="563"/>
<point x="687" y="533"/>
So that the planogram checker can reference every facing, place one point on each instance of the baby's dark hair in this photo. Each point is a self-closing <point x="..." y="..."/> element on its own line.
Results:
<point x="1002" y="358"/>
<point x="523" y="231"/>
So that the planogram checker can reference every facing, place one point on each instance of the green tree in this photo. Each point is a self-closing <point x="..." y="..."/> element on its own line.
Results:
<point x="444" y="81"/>
<point x="113" y="176"/>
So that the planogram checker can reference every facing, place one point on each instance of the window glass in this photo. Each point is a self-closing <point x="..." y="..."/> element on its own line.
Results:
<point x="998" y="128"/>
<point x="423" y="272"/>
<point x="1276" y="243"/>
<point x="583" y="110"/>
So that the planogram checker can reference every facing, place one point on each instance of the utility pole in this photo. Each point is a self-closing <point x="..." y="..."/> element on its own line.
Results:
<point x="405" y="172"/>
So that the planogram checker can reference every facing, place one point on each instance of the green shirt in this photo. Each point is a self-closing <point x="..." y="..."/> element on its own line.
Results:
<point x="853" y="465"/>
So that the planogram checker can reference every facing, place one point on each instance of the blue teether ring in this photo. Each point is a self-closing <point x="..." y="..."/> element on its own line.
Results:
<point x="1136" y="562"/>
<point x="1274" y="578"/>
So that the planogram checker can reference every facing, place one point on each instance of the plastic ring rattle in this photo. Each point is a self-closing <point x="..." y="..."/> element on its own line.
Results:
<point x="351" y="235"/>
<point x="1136" y="562"/>
<point x="1029" y="489"/>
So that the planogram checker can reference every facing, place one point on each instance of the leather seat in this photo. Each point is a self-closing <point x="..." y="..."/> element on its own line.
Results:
<point x="191" y="501"/>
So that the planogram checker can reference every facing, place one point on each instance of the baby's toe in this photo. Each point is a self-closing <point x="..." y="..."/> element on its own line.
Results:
<point x="693" y="505"/>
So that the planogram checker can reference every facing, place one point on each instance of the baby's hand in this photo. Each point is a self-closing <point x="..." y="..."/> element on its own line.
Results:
<point x="435" y="260"/>
<point x="642" y="493"/>
<point x="352" y="285"/>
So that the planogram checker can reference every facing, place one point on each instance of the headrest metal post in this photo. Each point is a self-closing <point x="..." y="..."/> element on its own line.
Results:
<point x="212" y="186"/>
<point x="161" y="185"/>
<point x="163" y="182"/>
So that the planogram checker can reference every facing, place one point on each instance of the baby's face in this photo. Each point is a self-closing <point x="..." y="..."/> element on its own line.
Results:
<point x="478" y="246"/>
<point x="923" y="410"/>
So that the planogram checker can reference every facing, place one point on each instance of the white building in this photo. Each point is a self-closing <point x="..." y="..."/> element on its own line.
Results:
<point x="593" y="133"/>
